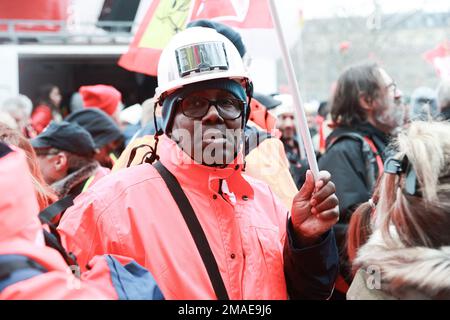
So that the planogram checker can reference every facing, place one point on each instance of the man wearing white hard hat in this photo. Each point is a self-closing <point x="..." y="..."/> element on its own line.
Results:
<point x="204" y="228"/>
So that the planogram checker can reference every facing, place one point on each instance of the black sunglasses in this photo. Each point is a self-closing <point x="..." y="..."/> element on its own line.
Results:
<point x="197" y="107"/>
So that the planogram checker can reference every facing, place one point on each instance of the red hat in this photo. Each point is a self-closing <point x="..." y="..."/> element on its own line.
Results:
<point x="101" y="96"/>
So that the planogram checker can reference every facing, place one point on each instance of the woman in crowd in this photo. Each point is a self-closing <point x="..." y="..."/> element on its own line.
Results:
<point x="47" y="107"/>
<point x="408" y="254"/>
<point x="44" y="194"/>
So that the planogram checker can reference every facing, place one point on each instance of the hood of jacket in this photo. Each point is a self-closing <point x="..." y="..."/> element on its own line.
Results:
<point x="18" y="204"/>
<point x="413" y="272"/>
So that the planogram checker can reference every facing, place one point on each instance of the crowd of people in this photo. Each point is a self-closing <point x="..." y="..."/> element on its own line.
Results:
<point x="204" y="190"/>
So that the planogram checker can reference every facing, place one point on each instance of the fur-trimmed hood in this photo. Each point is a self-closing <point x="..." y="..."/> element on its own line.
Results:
<point x="406" y="273"/>
<point x="64" y="186"/>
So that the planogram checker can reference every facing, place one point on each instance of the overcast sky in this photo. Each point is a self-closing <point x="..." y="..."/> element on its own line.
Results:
<point x="326" y="8"/>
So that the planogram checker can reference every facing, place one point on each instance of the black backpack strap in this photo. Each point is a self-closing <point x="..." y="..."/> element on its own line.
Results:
<point x="7" y="268"/>
<point x="49" y="213"/>
<point x="4" y="149"/>
<point x="52" y="238"/>
<point x="345" y="135"/>
<point x="196" y="231"/>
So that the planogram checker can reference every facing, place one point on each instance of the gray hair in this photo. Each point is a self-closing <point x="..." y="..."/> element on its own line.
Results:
<point x="19" y="102"/>
<point x="9" y="121"/>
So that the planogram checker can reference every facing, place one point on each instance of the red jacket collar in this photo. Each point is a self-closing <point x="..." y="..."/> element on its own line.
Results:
<point x="198" y="176"/>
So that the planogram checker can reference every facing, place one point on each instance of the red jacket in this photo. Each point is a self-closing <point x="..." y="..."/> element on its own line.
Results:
<point x="21" y="237"/>
<point x="132" y="213"/>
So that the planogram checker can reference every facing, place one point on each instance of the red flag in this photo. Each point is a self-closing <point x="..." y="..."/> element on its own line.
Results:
<point x="439" y="57"/>
<point x="165" y="18"/>
<point x="239" y="14"/>
<point x="160" y="23"/>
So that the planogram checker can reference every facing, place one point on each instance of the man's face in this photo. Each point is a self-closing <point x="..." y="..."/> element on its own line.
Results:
<point x="389" y="111"/>
<point x="53" y="165"/>
<point x="208" y="133"/>
<point x="286" y="125"/>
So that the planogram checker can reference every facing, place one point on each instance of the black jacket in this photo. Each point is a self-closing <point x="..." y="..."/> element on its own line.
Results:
<point x="310" y="272"/>
<point x="345" y="161"/>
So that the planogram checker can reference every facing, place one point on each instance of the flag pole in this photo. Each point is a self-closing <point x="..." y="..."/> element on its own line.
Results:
<point x="300" y="116"/>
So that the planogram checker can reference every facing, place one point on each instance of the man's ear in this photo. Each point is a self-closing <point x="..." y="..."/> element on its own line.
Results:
<point x="61" y="162"/>
<point x="365" y="102"/>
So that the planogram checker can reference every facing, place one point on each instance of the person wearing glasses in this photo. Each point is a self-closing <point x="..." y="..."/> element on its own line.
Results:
<point x="65" y="153"/>
<point x="191" y="216"/>
<point x="407" y="254"/>
<point x="366" y="110"/>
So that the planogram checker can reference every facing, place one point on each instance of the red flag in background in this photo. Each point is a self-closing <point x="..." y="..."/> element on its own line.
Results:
<point x="235" y="13"/>
<point x="165" y="18"/>
<point x="439" y="57"/>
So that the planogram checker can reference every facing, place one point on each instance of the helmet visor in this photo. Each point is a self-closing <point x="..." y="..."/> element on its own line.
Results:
<point x="201" y="57"/>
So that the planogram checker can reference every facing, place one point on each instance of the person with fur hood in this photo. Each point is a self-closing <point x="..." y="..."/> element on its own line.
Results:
<point x="408" y="254"/>
<point x="66" y="156"/>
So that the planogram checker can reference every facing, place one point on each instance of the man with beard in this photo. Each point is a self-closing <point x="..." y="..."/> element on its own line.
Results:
<point x="205" y="229"/>
<point x="366" y="110"/>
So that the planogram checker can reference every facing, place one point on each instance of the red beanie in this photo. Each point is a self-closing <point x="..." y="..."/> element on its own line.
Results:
<point x="101" y="96"/>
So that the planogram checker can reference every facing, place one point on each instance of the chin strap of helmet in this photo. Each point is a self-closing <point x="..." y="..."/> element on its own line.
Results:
<point x="151" y="156"/>
<point x="249" y="91"/>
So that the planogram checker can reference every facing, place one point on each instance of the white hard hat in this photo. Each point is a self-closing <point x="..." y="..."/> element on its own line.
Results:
<point x="198" y="54"/>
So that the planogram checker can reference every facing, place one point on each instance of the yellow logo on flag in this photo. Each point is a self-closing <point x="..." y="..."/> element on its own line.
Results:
<point x="169" y="18"/>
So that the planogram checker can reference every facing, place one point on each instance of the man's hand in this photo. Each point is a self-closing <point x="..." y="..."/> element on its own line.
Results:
<point x="315" y="208"/>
